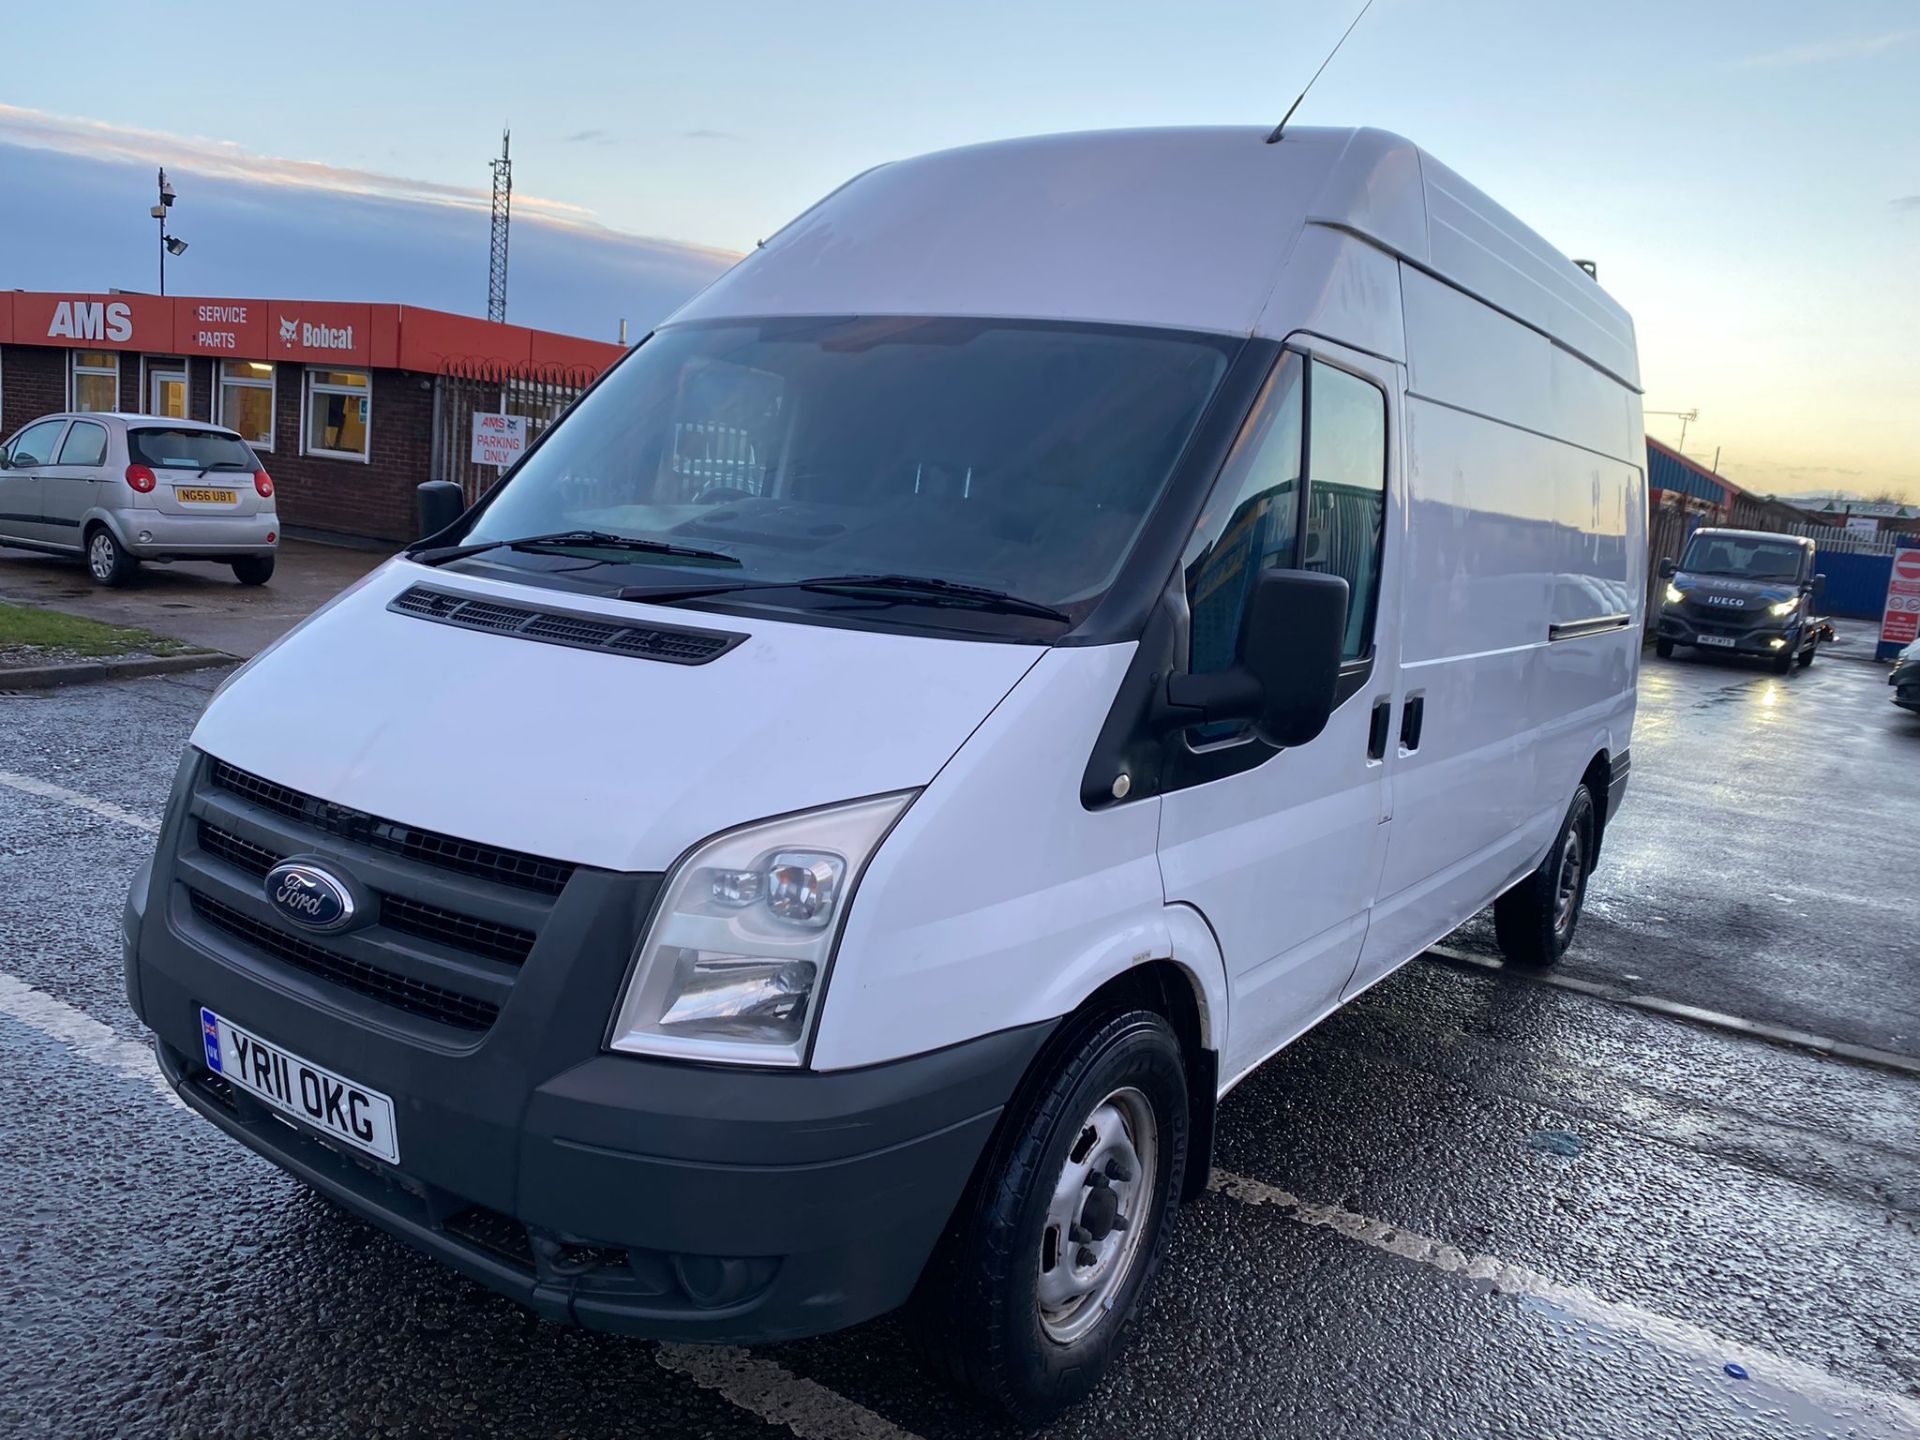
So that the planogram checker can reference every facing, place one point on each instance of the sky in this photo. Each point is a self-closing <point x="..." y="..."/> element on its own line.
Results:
<point x="1746" y="173"/>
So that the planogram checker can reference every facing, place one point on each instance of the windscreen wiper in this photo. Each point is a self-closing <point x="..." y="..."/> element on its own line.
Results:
<point x="926" y="589"/>
<point x="235" y="465"/>
<point x="564" y="539"/>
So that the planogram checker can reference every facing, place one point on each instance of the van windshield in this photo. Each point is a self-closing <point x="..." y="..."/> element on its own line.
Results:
<point x="1017" y="457"/>
<point x="1742" y="558"/>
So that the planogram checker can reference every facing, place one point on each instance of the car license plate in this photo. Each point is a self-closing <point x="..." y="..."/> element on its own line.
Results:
<point x="330" y="1103"/>
<point x="1726" y="640"/>
<point x="205" y="497"/>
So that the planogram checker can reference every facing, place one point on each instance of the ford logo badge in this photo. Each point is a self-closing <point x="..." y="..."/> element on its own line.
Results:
<point x="309" y="896"/>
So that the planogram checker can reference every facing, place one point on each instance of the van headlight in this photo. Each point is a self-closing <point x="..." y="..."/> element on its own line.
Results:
<point x="1781" y="608"/>
<point x="731" y="968"/>
<point x="1675" y="594"/>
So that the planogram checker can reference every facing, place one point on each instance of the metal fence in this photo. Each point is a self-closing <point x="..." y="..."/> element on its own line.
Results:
<point x="1831" y="539"/>
<point x="540" y="392"/>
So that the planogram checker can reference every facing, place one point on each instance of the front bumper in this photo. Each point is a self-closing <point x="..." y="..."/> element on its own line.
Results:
<point x="619" y="1192"/>
<point x="1686" y="630"/>
<point x="195" y="536"/>
<point x="1906" y="687"/>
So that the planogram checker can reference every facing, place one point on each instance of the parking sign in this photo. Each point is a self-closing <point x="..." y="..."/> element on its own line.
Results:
<point x="498" y="439"/>
<point x="1900" y="624"/>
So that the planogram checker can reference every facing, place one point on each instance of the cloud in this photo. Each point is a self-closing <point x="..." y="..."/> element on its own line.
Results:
<point x="708" y="135"/>
<point x="1906" y="202"/>
<point x="205" y="159"/>
<point x="255" y="236"/>
<point x="1820" y="52"/>
<point x="588" y="137"/>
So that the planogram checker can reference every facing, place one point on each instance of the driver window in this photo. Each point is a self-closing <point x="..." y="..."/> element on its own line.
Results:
<point x="34" y="445"/>
<point x="1250" y="523"/>
<point x="1253" y="520"/>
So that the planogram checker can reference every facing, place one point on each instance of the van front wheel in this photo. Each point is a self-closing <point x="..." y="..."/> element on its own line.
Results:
<point x="1048" y="1255"/>
<point x="1534" y="922"/>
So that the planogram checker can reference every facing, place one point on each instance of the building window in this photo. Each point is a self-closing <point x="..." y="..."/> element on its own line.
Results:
<point x="337" y="417"/>
<point x="246" y="400"/>
<point x="96" y="380"/>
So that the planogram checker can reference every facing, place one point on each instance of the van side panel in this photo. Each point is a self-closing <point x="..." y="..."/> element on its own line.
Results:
<point x="1526" y="511"/>
<point x="999" y="898"/>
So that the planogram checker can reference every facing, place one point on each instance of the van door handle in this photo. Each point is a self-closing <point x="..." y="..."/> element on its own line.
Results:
<point x="1412" y="718"/>
<point x="1377" y="729"/>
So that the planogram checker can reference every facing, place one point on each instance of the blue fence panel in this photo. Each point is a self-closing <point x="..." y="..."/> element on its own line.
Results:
<point x="1856" y="584"/>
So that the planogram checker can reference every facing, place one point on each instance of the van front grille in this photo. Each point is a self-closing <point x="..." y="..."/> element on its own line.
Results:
<point x="417" y="997"/>
<point x="463" y="932"/>
<point x="429" y="847"/>
<point x="397" y="912"/>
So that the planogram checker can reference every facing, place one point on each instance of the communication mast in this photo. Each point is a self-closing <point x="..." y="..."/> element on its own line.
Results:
<point x="502" y="206"/>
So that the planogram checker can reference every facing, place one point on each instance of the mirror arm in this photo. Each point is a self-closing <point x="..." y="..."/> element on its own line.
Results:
<point x="1208" y="699"/>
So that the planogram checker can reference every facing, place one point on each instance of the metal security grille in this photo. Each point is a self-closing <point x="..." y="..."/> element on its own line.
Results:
<point x="541" y="393"/>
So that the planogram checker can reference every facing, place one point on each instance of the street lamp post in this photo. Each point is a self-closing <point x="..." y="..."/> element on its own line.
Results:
<point x="169" y="245"/>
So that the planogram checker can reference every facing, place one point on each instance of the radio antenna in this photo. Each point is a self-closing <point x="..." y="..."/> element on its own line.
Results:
<point x="1280" y="129"/>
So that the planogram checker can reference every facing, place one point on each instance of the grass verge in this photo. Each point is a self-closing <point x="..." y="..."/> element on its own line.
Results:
<point x="30" y="636"/>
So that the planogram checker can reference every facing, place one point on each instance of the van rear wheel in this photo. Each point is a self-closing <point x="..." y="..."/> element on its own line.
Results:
<point x="253" y="569"/>
<point x="1535" y="920"/>
<point x="1030" y="1293"/>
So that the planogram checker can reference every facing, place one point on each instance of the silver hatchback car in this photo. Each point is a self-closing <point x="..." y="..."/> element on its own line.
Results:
<point x="119" y="489"/>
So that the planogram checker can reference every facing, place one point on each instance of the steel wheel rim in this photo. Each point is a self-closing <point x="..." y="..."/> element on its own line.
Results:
<point x="100" y="555"/>
<point x="1116" y="1151"/>
<point x="1567" y="887"/>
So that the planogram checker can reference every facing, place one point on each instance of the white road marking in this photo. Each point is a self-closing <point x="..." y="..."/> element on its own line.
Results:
<point x="778" y="1396"/>
<point x="82" y="1034"/>
<point x="1664" y="1332"/>
<point x="757" y="1385"/>
<point x="46" y="790"/>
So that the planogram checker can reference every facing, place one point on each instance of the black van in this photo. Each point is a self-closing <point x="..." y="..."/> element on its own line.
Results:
<point x="1744" y="592"/>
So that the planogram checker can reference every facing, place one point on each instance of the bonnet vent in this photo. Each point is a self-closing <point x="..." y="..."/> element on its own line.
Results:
<point x="669" y="643"/>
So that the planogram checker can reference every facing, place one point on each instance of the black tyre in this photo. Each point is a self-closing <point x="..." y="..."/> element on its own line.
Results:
<point x="1030" y="1292"/>
<point x="1783" y="662"/>
<point x="1534" y="922"/>
<point x="253" y="569"/>
<point x="1663" y="648"/>
<point x="1806" y="655"/>
<point x="107" y="559"/>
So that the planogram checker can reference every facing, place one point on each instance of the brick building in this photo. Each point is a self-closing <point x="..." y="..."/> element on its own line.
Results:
<point x="350" y="406"/>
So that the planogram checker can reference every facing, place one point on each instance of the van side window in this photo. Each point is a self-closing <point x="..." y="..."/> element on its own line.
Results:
<point x="1347" y="492"/>
<point x="1250" y="523"/>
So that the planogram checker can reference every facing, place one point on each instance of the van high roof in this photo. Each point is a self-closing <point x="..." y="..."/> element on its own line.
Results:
<point x="1201" y="229"/>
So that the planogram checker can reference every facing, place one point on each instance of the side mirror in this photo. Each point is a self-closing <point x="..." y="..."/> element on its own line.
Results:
<point x="1289" y="666"/>
<point x="1818" y="586"/>
<point x="1667" y="567"/>
<point x="437" y="504"/>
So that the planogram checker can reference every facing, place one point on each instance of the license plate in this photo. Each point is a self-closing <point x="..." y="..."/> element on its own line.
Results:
<point x="1726" y="640"/>
<point x="205" y="497"/>
<point x="330" y="1103"/>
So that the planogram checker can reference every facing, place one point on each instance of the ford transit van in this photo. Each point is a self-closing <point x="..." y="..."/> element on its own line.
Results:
<point x="826" y="830"/>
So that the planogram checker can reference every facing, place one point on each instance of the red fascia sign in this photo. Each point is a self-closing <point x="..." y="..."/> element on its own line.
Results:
<point x="311" y="331"/>
<point x="1900" y="622"/>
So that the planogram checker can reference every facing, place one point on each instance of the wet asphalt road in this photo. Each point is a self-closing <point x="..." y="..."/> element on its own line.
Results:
<point x="1520" y="1211"/>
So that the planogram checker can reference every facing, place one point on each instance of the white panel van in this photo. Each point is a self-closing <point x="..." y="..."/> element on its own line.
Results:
<point x="823" y="834"/>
